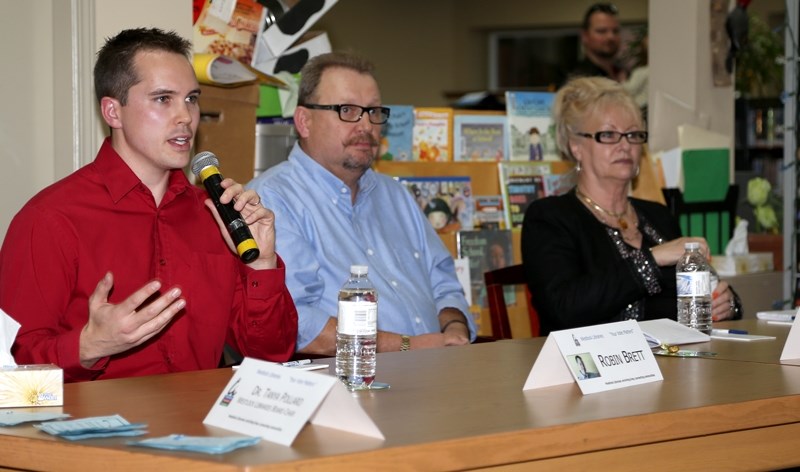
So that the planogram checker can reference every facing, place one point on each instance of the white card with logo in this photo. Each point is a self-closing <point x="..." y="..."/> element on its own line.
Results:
<point x="275" y="402"/>
<point x="791" y="350"/>
<point x="602" y="357"/>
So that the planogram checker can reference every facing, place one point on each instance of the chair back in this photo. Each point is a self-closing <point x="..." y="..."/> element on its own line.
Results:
<point x="714" y="221"/>
<point x="496" y="280"/>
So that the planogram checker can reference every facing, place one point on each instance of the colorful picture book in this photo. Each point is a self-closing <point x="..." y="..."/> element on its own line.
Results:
<point x="432" y="135"/>
<point x="531" y="132"/>
<point x="479" y="136"/>
<point x="507" y="169"/>
<point x="446" y="201"/>
<point x="558" y="184"/>
<point x="229" y="33"/>
<point x="489" y="212"/>
<point x="396" y="134"/>
<point x="487" y="250"/>
<point x="520" y="191"/>
<point x="520" y="184"/>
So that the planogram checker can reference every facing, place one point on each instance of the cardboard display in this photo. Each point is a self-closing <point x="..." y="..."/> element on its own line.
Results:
<point x="272" y="42"/>
<point x="227" y="128"/>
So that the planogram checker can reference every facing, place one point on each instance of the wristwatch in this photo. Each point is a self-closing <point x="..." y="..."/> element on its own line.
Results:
<point x="405" y="342"/>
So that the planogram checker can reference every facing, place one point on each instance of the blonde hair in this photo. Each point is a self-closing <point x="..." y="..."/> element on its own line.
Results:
<point x="579" y="98"/>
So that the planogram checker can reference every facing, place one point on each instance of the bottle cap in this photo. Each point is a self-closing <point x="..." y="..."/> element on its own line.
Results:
<point x="691" y="245"/>
<point x="359" y="269"/>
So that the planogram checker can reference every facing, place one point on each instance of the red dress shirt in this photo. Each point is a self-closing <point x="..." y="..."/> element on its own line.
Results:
<point x="103" y="218"/>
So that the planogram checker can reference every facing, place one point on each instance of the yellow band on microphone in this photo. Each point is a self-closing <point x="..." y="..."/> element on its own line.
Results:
<point x="207" y="172"/>
<point x="246" y="245"/>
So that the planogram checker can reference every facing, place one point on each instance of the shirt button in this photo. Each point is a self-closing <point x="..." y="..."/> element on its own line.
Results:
<point x="394" y="283"/>
<point x="254" y="283"/>
<point x="163" y="262"/>
<point x="370" y="252"/>
<point x="417" y="320"/>
<point x="343" y="190"/>
<point x="416" y="255"/>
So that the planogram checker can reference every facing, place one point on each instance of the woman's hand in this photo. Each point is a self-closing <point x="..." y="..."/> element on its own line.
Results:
<point x="723" y="304"/>
<point x="667" y="254"/>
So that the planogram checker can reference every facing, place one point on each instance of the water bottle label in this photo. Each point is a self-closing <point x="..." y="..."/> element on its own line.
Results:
<point x="693" y="284"/>
<point x="357" y="318"/>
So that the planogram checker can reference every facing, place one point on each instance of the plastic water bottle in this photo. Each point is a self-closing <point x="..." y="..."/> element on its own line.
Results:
<point x="693" y="278"/>
<point x="357" y="330"/>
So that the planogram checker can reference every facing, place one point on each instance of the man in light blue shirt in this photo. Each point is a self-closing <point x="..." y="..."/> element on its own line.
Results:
<point x="332" y="210"/>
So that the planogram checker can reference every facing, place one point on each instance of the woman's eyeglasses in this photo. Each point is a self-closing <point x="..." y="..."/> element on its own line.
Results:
<point x="613" y="137"/>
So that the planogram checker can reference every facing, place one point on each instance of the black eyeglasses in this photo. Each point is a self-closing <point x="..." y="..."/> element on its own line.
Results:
<point x="613" y="137"/>
<point x="352" y="113"/>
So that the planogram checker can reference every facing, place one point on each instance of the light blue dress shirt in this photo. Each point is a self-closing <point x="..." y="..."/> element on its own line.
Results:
<point x="320" y="234"/>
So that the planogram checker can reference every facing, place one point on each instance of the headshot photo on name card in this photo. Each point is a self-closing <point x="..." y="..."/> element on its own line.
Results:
<point x="583" y="366"/>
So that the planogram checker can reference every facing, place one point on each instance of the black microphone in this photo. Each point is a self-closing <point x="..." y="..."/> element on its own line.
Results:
<point x="205" y="165"/>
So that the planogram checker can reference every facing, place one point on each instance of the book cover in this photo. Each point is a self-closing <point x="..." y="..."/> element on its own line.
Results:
<point x="446" y="201"/>
<point x="396" y="134"/>
<point x="463" y="276"/>
<point x="531" y="131"/>
<point x="432" y="135"/>
<point x="489" y="212"/>
<point x="520" y="184"/>
<point x="479" y="137"/>
<point x="559" y="184"/>
<point x="508" y="169"/>
<point x="214" y="69"/>
<point x="487" y="249"/>
<point x="520" y="191"/>
<point x="229" y="29"/>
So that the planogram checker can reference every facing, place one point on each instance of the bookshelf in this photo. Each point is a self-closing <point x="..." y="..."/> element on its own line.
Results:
<point x="484" y="178"/>
<point x="485" y="181"/>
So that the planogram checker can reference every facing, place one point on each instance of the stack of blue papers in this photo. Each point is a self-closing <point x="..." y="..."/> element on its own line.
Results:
<point x="208" y="445"/>
<point x="97" y="427"/>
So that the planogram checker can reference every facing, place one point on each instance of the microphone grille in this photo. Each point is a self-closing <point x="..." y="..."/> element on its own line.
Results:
<point x="203" y="160"/>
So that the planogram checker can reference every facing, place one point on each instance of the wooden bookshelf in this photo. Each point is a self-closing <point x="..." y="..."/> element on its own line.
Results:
<point x="485" y="181"/>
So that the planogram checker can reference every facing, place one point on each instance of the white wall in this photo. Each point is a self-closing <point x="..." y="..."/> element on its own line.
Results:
<point x="47" y="109"/>
<point x="680" y="67"/>
<point x="26" y="114"/>
<point x="115" y="15"/>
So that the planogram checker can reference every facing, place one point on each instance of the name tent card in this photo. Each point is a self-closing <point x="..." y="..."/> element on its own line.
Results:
<point x="602" y="357"/>
<point x="275" y="402"/>
<point x="791" y="350"/>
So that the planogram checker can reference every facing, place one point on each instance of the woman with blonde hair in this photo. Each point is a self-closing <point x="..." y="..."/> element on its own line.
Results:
<point x="596" y="255"/>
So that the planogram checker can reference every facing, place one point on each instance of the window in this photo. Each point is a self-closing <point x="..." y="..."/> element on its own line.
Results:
<point x="539" y="58"/>
<point x="532" y="58"/>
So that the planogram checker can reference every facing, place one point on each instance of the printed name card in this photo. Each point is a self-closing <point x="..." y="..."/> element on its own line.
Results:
<point x="275" y="402"/>
<point x="602" y="357"/>
<point x="791" y="350"/>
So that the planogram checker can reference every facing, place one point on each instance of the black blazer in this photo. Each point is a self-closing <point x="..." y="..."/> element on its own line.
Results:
<point x="576" y="275"/>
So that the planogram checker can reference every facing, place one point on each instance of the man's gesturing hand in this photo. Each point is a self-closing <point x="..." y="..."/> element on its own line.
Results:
<point x="112" y="329"/>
